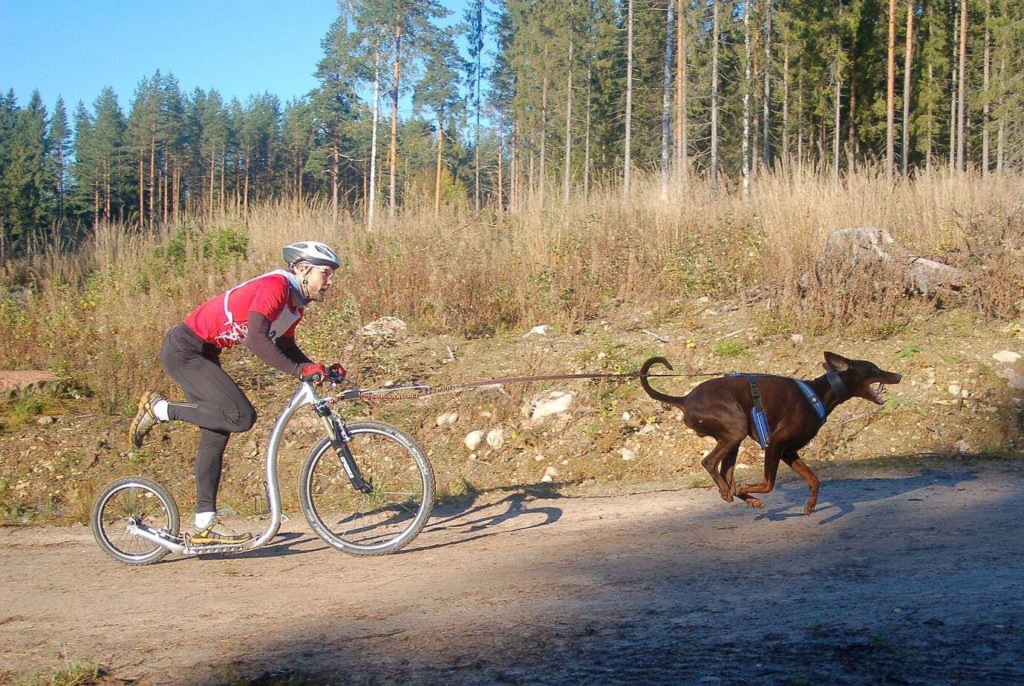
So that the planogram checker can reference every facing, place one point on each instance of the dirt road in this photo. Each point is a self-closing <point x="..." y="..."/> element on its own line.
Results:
<point x="896" y="578"/>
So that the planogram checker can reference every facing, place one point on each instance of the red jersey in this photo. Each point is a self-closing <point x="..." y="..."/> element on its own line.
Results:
<point x="223" y="320"/>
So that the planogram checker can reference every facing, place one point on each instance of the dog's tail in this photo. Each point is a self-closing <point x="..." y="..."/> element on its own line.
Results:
<point x="657" y="395"/>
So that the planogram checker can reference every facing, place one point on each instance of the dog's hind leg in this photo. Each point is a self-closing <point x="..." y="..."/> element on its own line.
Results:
<point x="720" y="461"/>
<point x="801" y="468"/>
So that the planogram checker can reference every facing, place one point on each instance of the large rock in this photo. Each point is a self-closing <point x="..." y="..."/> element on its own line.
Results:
<point x="13" y="383"/>
<point x="385" y="327"/>
<point x="873" y="252"/>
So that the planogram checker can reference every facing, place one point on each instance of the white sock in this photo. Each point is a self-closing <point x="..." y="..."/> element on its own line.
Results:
<point x="160" y="410"/>
<point x="205" y="519"/>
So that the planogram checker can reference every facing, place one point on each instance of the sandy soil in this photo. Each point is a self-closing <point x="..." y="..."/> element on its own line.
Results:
<point x="896" y="578"/>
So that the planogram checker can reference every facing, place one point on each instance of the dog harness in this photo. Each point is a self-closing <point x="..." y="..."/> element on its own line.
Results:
<point x="761" y="430"/>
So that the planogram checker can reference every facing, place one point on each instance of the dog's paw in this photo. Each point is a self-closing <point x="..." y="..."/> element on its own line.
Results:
<point x="756" y="503"/>
<point x="809" y="506"/>
<point x="726" y="495"/>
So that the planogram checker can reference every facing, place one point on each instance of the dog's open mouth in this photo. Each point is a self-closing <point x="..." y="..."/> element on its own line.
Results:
<point x="876" y="391"/>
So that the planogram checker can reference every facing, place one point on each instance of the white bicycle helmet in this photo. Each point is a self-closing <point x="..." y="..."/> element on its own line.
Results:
<point x="313" y="252"/>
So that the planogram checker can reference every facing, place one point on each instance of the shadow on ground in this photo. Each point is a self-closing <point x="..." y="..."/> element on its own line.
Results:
<point x="895" y="579"/>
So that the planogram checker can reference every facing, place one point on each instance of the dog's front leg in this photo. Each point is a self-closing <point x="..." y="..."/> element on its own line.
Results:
<point x="771" y="468"/>
<point x="801" y="468"/>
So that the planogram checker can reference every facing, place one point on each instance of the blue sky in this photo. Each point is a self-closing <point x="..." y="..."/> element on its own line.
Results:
<point x="73" y="48"/>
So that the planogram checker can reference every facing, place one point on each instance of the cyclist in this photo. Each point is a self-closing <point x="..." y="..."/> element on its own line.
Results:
<point x="261" y="313"/>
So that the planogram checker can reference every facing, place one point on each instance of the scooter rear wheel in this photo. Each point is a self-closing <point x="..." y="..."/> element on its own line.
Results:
<point x="129" y="501"/>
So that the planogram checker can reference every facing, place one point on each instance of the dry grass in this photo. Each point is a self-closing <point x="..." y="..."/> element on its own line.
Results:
<point x="97" y="315"/>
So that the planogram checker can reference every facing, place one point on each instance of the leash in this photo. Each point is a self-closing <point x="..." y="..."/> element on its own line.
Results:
<point x="422" y="391"/>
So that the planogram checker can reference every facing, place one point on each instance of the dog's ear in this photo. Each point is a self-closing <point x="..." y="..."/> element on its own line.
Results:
<point x="836" y="363"/>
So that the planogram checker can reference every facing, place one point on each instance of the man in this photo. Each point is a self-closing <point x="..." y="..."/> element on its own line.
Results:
<point x="261" y="313"/>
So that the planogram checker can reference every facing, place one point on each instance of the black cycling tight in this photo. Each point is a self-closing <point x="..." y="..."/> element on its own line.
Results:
<point x="215" y="404"/>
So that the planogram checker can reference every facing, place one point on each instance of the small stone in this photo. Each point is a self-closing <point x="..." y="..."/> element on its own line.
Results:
<point x="551" y="471"/>
<point x="554" y="402"/>
<point x="45" y="420"/>
<point x="796" y="339"/>
<point x="954" y="389"/>
<point x="1006" y="356"/>
<point x="627" y="454"/>
<point x="496" y="438"/>
<point x="474" y="439"/>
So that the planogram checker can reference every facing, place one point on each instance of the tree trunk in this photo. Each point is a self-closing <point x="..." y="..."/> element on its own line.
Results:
<point x="152" y="175"/>
<point x="437" y="169"/>
<point x="213" y="176"/>
<point x="907" y="72"/>
<point x="568" y="129"/>
<point x="836" y="121"/>
<point x="393" y="154"/>
<point x="747" y="85"/>
<point x="666" y="98"/>
<point x="851" y="120"/>
<point x="371" y="202"/>
<point x="501" y="161"/>
<point x="586" y="134"/>
<point x="142" y="193"/>
<point x="682" y="142"/>
<point x="954" y="96"/>
<point x="513" y="171"/>
<point x="961" y="105"/>
<point x="785" y="103"/>
<point x="931" y="118"/>
<point x="628" y="154"/>
<point x="890" y="94"/>
<point x="985" y="86"/>
<point x="542" y="181"/>
<point x="766" y="106"/>
<point x="1001" y="135"/>
<point x="714" y="98"/>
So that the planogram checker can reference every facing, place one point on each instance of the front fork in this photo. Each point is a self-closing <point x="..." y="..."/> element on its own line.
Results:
<point x="340" y="438"/>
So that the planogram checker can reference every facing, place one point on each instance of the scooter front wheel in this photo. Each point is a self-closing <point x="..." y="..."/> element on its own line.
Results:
<point x="133" y="502"/>
<point x="394" y="503"/>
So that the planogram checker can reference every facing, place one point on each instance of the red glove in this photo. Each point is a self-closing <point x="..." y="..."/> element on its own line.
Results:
<point x="314" y="373"/>
<point x="337" y="371"/>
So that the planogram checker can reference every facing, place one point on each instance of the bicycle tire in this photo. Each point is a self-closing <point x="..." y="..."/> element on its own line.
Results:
<point x="126" y="498"/>
<point x="376" y="523"/>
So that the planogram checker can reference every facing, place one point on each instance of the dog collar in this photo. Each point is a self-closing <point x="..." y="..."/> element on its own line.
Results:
<point x="842" y="392"/>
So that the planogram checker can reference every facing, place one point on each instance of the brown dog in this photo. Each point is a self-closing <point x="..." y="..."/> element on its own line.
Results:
<point x="721" y="408"/>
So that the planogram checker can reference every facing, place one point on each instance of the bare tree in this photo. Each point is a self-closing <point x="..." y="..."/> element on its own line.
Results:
<point x="682" y="142"/>
<point x="907" y="70"/>
<point x="666" y="97"/>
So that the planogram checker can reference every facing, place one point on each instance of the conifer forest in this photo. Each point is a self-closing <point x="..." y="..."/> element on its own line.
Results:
<point x="531" y="102"/>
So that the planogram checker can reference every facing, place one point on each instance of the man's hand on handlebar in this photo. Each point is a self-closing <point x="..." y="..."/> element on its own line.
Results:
<point x="336" y="373"/>
<point x="315" y="373"/>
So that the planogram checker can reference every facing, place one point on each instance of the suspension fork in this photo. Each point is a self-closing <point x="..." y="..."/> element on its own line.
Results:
<point x="340" y="438"/>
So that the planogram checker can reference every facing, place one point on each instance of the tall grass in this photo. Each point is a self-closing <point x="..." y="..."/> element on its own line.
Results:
<point x="98" y="314"/>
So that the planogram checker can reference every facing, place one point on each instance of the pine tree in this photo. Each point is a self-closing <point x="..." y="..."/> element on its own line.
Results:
<point x="59" y="157"/>
<point x="26" y="195"/>
<point x="438" y="91"/>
